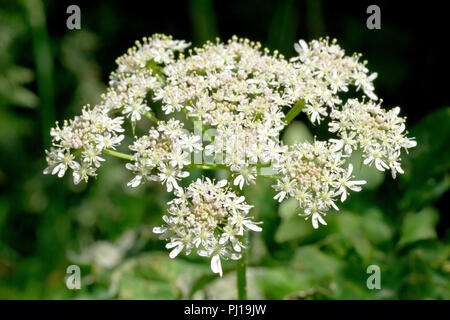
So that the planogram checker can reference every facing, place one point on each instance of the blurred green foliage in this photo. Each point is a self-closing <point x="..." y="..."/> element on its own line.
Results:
<point x="47" y="224"/>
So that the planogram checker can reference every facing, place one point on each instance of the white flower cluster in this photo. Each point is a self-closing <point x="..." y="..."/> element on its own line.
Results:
<point x="380" y="133"/>
<point x="332" y="72"/>
<point x="86" y="135"/>
<point x="138" y="73"/>
<point x="209" y="218"/>
<point x="166" y="150"/>
<point x="314" y="176"/>
<point x="239" y="91"/>
<point x="79" y="142"/>
<point x="243" y="98"/>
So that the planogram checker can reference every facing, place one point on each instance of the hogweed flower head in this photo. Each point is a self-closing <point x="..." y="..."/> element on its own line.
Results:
<point x="240" y="97"/>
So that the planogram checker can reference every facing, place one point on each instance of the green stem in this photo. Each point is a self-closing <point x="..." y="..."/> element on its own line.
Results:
<point x="204" y="166"/>
<point x="117" y="154"/>
<point x="207" y="166"/>
<point x="268" y="176"/>
<point x="296" y="109"/>
<point x="44" y="65"/>
<point x="241" y="269"/>
<point x="151" y="117"/>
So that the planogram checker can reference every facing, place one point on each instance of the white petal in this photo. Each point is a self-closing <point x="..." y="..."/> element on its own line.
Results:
<point x="222" y="183"/>
<point x="372" y="77"/>
<point x="169" y="185"/>
<point x="280" y="196"/>
<point x="237" y="180"/>
<point x="175" y="251"/>
<point x="316" y="218"/>
<point x="223" y="238"/>
<point x="252" y="226"/>
<point x="159" y="230"/>
<point x="321" y="220"/>
<point x="47" y="170"/>
<point x="235" y="256"/>
<point x="203" y="253"/>
<point x="314" y="222"/>
<point x="183" y="174"/>
<point x="355" y="188"/>
<point x="135" y="182"/>
<point x="61" y="173"/>
<point x="344" y="196"/>
<point x="216" y="266"/>
<point x="338" y="144"/>
<point x="171" y="245"/>
<point x="350" y="169"/>
<point x="334" y="206"/>
<point x="379" y="164"/>
<point x="57" y="168"/>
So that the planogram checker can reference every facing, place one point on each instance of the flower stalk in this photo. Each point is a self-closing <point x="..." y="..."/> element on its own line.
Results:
<point x="241" y="271"/>
<point x="117" y="154"/>
<point x="296" y="109"/>
<point x="151" y="116"/>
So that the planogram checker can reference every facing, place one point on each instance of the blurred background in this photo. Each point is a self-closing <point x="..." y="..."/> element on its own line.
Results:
<point x="48" y="72"/>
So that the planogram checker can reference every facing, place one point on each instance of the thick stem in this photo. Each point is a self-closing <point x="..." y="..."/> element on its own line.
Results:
<point x="241" y="270"/>
<point x="296" y="109"/>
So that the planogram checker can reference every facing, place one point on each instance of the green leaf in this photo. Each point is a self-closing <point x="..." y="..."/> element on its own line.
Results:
<point x="288" y="209"/>
<point x="134" y="287"/>
<point x="155" y="276"/>
<point x="375" y="227"/>
<point x="17" y="95"/>
<point x="312" y="261"/>
<point x="419" y="226"/>
<point x="350" y="225"/>
<point x="427" y="166"/>
<point x="280" y="282"/>
<point x="292" y="226"/>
